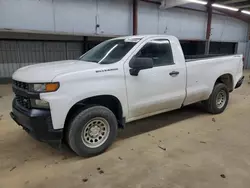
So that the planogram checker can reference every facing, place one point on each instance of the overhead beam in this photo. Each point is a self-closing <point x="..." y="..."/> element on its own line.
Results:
<point x="231" y="2"/>
<point x="237" y="15"/>
<point x="172" y="3"/>
<point x="242" y="6"/>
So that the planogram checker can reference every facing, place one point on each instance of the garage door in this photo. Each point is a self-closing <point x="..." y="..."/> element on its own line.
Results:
<point x="15" y="54"/>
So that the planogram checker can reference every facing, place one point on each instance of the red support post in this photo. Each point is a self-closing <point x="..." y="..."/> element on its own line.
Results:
<point x="209" y="20"/>
<point x="135" y="17"/>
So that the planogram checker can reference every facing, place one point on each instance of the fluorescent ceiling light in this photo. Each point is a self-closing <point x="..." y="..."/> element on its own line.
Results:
<point x="224" y="7"/>
<point x="198" y="2"/>
<point x="245" y="12"/>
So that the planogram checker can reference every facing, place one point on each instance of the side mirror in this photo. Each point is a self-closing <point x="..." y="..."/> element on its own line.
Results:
<point x="138" y="63"/>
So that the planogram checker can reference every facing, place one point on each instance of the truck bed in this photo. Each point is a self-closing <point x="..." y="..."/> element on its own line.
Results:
<point x="202" y="72"/>
<point x="189" y="58"/>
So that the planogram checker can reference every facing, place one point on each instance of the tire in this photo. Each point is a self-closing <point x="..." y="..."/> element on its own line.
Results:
<point x="92" y="131"/>
<point x="214" y="107"/>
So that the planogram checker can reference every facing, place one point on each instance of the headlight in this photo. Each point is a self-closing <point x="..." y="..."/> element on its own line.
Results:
<point x="37" y="103"/>
<point x="48" y="87"/>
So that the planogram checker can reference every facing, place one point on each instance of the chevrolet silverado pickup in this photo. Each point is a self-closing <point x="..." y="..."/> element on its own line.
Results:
<point x="83" y="102"/>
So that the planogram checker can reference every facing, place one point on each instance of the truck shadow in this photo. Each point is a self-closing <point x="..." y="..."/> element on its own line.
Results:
<point x="159" y="121"/>
<point x="38" y="151"/>
<point x="151" y="123"/>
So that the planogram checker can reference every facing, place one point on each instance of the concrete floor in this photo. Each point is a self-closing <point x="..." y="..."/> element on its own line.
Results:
<point x="202" y="150"/>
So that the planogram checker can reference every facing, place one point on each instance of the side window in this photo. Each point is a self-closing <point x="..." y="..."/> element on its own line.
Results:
<point x="159" y="50"/>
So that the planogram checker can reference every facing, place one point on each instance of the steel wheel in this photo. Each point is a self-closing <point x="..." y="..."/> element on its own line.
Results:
<point x="95" y="133"/>
<point x="221" y="99"/>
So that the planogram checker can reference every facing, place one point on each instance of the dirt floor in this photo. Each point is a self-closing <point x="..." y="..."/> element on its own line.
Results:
<point x="185" y="148"/>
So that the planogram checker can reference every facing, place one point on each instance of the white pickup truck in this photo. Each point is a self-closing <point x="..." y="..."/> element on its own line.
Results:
<point x="85" y="101"/>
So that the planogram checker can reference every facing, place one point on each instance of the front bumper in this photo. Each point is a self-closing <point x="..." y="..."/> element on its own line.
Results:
<point x="37" y="123"/>
<point x="239" y="83"/>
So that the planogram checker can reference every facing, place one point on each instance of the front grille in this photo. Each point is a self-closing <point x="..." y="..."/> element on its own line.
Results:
<point x="21" y="85"/>
<point x="23" y="101"/>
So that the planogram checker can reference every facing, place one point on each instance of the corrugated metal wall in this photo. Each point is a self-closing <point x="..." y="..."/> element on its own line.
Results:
<point x="17" y="53"/>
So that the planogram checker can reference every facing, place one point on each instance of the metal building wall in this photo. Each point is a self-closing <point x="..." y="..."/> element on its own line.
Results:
<point x="113" y="17"/>
<point x="228" y="29"/>
<point x="185" y="24"/>
<point x="241" y="48"/>
<point x="189" y="24"/>
<point x="247" y="56"/>
<point x="15" y="54"/>
<point x="67" y="16"/>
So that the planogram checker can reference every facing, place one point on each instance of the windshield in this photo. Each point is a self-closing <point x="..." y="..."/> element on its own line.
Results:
<point x="109" y="51"/>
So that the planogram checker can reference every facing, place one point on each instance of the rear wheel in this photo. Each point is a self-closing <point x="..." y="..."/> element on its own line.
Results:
<point x="218" y="100"/>
<point x="92" y="131"/>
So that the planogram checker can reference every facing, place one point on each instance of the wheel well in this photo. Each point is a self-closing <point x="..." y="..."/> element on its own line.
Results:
<point x="109" y="101"/>
<point x="226" y="79"/>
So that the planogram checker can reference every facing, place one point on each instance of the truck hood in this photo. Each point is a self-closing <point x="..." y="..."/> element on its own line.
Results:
<point x="45" y="72"/>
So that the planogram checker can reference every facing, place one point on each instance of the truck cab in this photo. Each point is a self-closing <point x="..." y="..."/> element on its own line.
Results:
<point x="85" y="101"/>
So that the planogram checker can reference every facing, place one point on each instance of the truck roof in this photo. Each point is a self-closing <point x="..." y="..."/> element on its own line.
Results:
<point x="144" y="36"/>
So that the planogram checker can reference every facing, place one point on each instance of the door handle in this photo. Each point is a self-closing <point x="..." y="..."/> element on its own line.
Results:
<point x="174" y="73"/>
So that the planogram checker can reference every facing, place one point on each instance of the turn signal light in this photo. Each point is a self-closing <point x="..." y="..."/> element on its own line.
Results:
<point x="52" y="87"/>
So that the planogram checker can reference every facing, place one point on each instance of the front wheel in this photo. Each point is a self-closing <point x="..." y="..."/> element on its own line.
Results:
<point x="92" y="131"/>
<point x="218" y="100"/>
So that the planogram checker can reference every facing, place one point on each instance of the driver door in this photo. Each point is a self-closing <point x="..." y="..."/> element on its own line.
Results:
<point x="157" y="89"/>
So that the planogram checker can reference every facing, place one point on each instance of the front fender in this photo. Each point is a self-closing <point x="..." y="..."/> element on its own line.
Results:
<point x="69" y="94"/>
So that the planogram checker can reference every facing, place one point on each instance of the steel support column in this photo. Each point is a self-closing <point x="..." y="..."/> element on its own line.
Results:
<point x="209" y="22"/>
<point x="135" y="17"/>
<point x="85" y="44"/>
